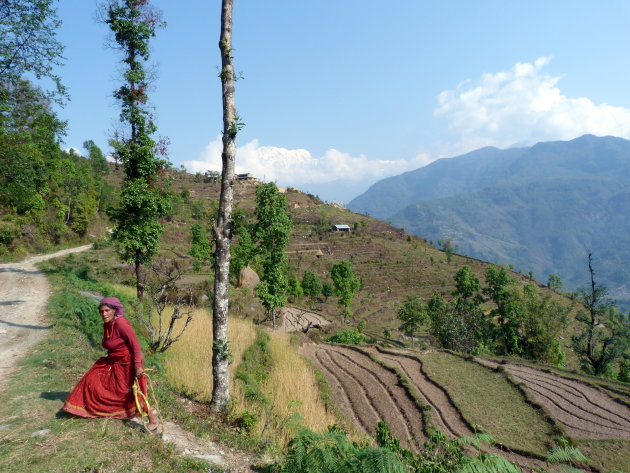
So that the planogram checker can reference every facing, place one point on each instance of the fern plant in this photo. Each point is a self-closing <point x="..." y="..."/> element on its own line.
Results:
<point x="333" y="452"/>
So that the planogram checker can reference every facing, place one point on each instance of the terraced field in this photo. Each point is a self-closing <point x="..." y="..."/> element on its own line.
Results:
<point x="295" y="319"/>
<point x="369" y="391"/>
<point x="584" y="411"/>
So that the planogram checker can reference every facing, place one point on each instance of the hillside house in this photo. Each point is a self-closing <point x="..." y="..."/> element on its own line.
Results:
<point x="249" y="177"/>
<point x="340" y="228"/>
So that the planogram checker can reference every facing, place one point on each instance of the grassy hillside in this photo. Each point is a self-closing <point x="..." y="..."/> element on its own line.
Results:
<point x="390" y="262"/>
<point x="391" y="265"/>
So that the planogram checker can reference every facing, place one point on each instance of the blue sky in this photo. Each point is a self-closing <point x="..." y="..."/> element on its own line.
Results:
<point x="339" y="94"/>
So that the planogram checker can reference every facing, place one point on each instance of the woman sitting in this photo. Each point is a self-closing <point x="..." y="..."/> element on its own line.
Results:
<point x="106" y="390"/>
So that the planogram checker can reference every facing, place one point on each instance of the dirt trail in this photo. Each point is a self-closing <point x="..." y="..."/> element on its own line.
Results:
<point x="584" y="411"/>
<point x="24" y="292"/>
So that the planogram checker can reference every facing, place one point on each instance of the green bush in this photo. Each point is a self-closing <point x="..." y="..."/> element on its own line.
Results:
<point x="350" y="336"/>
<point x="8" y="233"/>
<point x="255" y="367"/>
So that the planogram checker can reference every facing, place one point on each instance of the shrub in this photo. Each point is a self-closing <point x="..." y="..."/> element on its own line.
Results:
<point x="8" y="233"/>
<point x="350" y="336"/>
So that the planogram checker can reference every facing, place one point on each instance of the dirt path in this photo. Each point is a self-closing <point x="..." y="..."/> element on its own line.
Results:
<point x="584" y="411"/>
<point x="24" y="292"/>
<point x="294" y="319"/>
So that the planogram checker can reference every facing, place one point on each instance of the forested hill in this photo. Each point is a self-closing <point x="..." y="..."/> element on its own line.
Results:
<point x="539" y="208"/>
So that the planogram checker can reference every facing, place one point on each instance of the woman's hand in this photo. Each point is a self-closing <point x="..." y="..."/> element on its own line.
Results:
<point x="139" y="371"/>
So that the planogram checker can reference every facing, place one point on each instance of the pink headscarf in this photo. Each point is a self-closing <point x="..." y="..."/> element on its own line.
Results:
<point x="115" y="304"/>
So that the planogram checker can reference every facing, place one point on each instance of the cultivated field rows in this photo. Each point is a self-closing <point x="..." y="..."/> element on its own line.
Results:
<point x="366" y="385"/>
<point x="584" y="411"/>
<point x="369" y="391"/>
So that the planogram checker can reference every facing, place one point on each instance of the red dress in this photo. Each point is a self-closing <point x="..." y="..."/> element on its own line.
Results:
<point x="106" y="389"/>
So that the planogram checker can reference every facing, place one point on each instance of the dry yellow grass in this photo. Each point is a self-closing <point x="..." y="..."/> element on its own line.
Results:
<point x="291" y="388"/>
<point x="188" y="362"/>
<point x="124" y="289"/>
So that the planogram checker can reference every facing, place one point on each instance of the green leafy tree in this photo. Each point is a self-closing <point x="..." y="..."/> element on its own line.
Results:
<point x="346" y="285"/>
<point x="311" y="285"/>
<point x="327" y="290"/>
<point x="459" y="324"/>
<point x="412" y="315"/>
<point x="506" y="311"/>
<point x="28" y="42"/>
<point x="138" y="229"/>
<point x="605" y="340"/>
<point x="201" y="247"/>
<point x="295" y="287"/>
<point x="554" y="282"/>
<point x="243" y="249"/>
<point x="541" y="322"/>
<point x="272" y="232"/>
<point x="98" y="163"/>
<point x="448" y="248"/>
<point x="29" y="150"/>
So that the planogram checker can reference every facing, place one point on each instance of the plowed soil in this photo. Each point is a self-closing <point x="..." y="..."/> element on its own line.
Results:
<point x="295" y="319"/>
<point x="584" y="411"/>
<point x="368" y="392"/>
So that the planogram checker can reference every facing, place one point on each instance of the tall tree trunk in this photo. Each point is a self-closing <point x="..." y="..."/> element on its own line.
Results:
<point x="223" y="227"/>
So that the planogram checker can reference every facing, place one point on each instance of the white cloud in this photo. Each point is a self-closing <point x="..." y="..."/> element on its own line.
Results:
<point x="293" y="167"/>
<point x="73" y="150"/>
<point x="524" y="105"/>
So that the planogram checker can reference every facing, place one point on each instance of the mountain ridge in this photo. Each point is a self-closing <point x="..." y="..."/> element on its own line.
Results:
<point x="539" y="208"/>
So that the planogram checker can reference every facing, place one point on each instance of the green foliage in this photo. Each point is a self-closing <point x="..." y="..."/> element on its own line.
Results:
<point x="98" y="163"/>
<point x="295" y="287"/>
<point x="448" y="248"/>
<point x="311" y="285"/>
<point x="521" y="322"/>
<point x="605" y="339"/>
<point x="41" y="186"/>
<point x="346" y="285"/>
<point x="327" y="289"/>
<point x="554" y="282"/>
<point x="412" y="315"/>
<point x="201" y="248"/>
<point x="541" y="321"/>
<point x="242" y="250"/>
<point x="138" y="230"/>
<point x="272" y="232"/>
<point x="460" y="324"/>
<point x="333" y="452"/>
<point x="565" y="454"/>
<point x="28" y="43"/>
<point x="361" y="326"/>
<point x="8" y="233"/>
<point x="349" y="336"/>
<point x="255" y="368"/>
